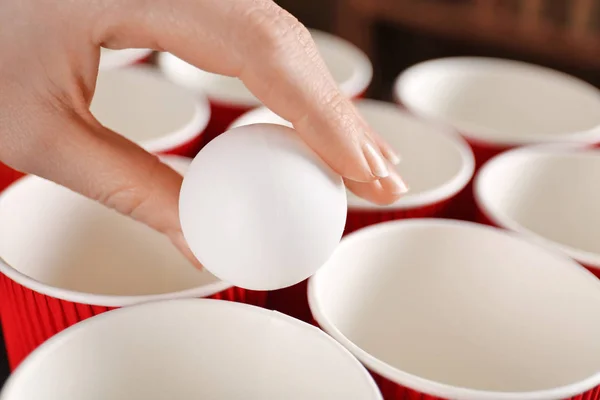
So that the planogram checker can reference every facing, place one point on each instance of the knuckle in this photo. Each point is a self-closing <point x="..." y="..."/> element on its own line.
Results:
<point x="125" y="199"/>
<point x="129" y="197"/>
<point x="337" y="106"/>
<point x="276" y="28"/>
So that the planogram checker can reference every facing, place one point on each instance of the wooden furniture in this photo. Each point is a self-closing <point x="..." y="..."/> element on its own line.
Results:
<point x="564" y="31"/>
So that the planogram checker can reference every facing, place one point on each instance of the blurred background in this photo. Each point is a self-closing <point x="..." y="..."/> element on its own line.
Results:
<point x="395" y="34"/>
<point x="562" y="34"/>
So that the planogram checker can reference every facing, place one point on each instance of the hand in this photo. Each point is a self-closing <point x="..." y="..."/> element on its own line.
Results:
<point x="50" y="54"/>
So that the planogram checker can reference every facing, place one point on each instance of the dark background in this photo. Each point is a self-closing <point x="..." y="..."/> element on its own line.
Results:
<point x="562" y="34"/>
<point x="399" y="33"/>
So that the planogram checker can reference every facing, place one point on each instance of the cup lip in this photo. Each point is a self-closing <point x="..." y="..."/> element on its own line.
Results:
<point x="426" y="198"/>
<point x="57" y="340"/>
<point x="501" y="219"/>
<point x="587" y="136"/>
<point x="122" y="58"/>
<point x="425" y="385"/>
<point x="75" y="296"/>
<point x="170" y="65"/>
<point x="192" y="129"/>
<point x="443" y="192"/>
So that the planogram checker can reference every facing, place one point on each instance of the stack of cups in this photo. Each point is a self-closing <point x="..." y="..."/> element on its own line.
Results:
<point x="67" y="258"/>
<point x="229" y="98"/>
<point x="435" y="309"/>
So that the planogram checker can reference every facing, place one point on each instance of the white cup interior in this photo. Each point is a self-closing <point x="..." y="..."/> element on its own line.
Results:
<point x="502" y="101"/>
<point x="64" y="245"/>
<point x="111" y="59"/>
<point x="143" y="106"/>
<point x="436" y="163"/>
<point x="191" y="349"/>
<point x="550" y="193"/>
<point x="349" y="66"/>
<point x="462" y="311"/>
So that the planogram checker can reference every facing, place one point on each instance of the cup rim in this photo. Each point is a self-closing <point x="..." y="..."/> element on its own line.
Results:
<point x="441" y="193"/>
<point x="424" y="385"/>
<point x="587" y="136"/>
<point x="189" y="131"/>
<point x="122" y="58"/>
<point x="57" y="340"/>
<point x="363" y="68"/>
<point x="75" y="296"/>
<point x="501" y="219"/>
<point x="434" y="195"/>
<point x="169" y="64"/>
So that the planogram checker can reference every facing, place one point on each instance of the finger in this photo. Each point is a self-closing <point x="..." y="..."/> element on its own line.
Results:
<point x="382" y="192"/>
<point x="275" y="57"/>
<point x="386" y="149"/>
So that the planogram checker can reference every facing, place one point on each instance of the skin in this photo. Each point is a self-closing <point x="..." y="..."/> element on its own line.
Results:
<point x="50" y="55"/>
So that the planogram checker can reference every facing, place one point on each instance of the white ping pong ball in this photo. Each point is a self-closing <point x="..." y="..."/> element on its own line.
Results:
<point x="259" y="209"/>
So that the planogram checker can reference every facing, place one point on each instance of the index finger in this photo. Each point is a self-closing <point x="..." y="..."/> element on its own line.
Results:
<point x="276" y="58"/>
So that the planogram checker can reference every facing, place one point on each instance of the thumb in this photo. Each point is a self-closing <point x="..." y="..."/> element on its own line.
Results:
<point x="77" y="152"/>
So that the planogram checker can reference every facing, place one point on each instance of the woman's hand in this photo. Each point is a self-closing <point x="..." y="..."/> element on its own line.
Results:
<point x="48" y="66"/>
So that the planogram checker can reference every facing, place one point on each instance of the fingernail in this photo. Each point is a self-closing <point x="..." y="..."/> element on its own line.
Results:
<point x="376" y="162"/>
<point x="391" y="155"/>
<point x="398" y="184"/>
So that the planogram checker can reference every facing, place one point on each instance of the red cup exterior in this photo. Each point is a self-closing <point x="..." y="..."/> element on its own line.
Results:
<point x="146" y="60"/>
<point x="360" y="218"/>
<point x="29" y="318"/>
<point x="293" y="300"/>
<point x="393" y="391"/>
<point x="222" y="116"/>
<point x="594" y="270"/>
<point x="8" y="176"/>
<point x="484" y="151"/>
<point x="187" y="149"/>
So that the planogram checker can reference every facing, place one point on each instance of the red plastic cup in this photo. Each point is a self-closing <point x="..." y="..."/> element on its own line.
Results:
<point x="442" y="309"/>
<point x="549" y="194"/>
<point x="229" y="98"/>
<point x="499" y="104"/>
<point x="139" y="103"/>
<point x="113" y="59"/>
<point x="65" y="258"/>
<point x="8" y="176"/>
<point x="191" y="349"/>
<point x="436" y="163"/>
